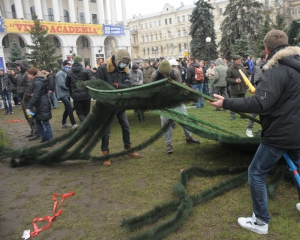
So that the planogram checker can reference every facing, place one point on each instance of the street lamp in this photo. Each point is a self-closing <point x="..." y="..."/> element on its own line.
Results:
<point x="208" y="42"/>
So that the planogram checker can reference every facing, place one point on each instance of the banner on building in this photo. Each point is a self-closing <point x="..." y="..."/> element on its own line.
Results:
<point x="22" y="26"/>
<point x="2" y="64"/>
<point x="110" y="30"/>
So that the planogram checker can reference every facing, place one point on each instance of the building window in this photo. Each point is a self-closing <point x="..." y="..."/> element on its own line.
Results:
<point x="184" y="46"/>
<point x="21" y="42"/>
<point x="81" y="17"/>
<point x="5" y="42"/>
<point x="169" y="34"/>
<point x="179" y="47"/>
<point x="221" y="11"/>
<point x="189" y="17"/>
<point x="144" y="52"/>
<point x="166" y="21"/>
<point x="148" y="51"/>
<point x="141" y="26"/>
<point x="183" y="18"/>
<point x="298" y="10"/>
<point x="292" y="11"/>
<point x="50" y="14"/>
<point x="162" y="49"/>
<point x="85" y="42"/>
<point x="13" y="11"/>
<point x="93" y="1"/>
<point x="94" y="18"/>
<point x="146" y="25"/>
<point x="66" y="16"/>
<point x="179" y="33"/>
<point x="147" y="38"/>
<point x="170" y="20"/>
<point x="143" y="38"/>
<point x="178" y="19"/>
<point x="150" y="25"/>
<point x="56" y="42"/>
<point x="267" y="6"/>
<point x="156" y="37"/>
<point x="159" y="23"/>
<point x="151" y="37"/>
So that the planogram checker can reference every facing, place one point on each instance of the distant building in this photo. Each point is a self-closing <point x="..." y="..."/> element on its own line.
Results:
<point x="165" y="33"/>
<point x="84" y="27"/>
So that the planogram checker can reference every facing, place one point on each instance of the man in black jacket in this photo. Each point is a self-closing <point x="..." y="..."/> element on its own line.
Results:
<point x="81" y="99"/>
<point x="277" y="101"/>
<point x="116" y="72"/>
<point x="51" y="87"/>
<point x="5" y="90"/>
<point x="24" y="90"/>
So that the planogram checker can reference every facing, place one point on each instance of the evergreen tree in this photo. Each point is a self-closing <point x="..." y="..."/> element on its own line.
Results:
<point x="242" y="20"/>
<point x="242" y="46"/>
<point x="280" y="23"/>
<point x="263" y="32"/>
<point x="42" y="54"/>
<point x="202" y="27"/>
<point x="15" y="54"/>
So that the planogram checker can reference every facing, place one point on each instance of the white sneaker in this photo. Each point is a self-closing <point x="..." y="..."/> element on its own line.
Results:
<point x="249" y="132"/>
<point x="251" y="224"/>
<point x="298" y="206"/>
<point x="66" y="125"/>
<point x="75" y="126"/>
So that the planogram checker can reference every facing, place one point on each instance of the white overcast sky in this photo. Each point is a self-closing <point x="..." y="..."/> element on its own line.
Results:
<point x="145" y="7"/>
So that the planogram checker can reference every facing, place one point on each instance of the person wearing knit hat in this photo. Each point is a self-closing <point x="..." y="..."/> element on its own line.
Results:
<point x="165" y="70"/>
<point x="78" y="59"/>
<point x="115" y="71"/>
<point x="81" y="99"/>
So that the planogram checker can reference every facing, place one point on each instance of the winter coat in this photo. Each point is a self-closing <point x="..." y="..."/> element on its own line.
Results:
<point x="174" y="74"/>
<point x="257" y="71"/>
<point x="110" y="73"/>
<point x="51" y="82"/>
<point x="60" y="86"/>
<point x="209" y="73"/>
<point x="220" y="73"/>
<point x="40" y="100"/>
<point x="190" y="79"/>
<point x="24" y="88"/>
<point x="77" y="73"/>
<point x="231" y="75"/>
<point x="13" y="87"/>
<point x="147" y="72"/>
<point x="250" y="64"/>
<point x="5" y="83"/>
<point x="276" y="99"/>
<point x="136" y="78"/>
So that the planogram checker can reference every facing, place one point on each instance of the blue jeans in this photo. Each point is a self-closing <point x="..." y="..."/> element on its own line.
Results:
<point x="263" y="162"/>
<point x="68" y="111"/>
<point x="6" y="97"/>
<point x="205" y="89"/>
<point x="199" y="87"/>
<point x="44" y="129"/>
<point x="123" y="121"/>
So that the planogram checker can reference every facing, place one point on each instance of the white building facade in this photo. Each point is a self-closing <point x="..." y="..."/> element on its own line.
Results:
<point x="165" y="33"/>
<point x="88" y="28"/>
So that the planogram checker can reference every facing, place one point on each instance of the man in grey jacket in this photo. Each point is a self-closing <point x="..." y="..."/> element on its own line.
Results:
<point x="135" y="75"/>
<point x="5" y="92"/>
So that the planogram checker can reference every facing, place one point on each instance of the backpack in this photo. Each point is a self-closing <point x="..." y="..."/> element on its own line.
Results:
<point x="199" y="76"/>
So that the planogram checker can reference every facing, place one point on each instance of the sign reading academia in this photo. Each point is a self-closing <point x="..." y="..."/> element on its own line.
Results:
<point x="22" y="26"/>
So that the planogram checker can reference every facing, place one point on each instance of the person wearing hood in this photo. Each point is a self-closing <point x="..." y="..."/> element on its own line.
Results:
<point x="277" y="101"/>
<point x="81" y="99"/>
<point x="51" y="87"/>
<point x="24" y="90"/>
<point x="63" y="95"/>
<point x="116" y="73"/>
<point x="219" y="79"/>
<point x="41" y="103"/>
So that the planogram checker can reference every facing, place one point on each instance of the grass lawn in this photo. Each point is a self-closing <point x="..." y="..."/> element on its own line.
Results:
<point x="106" y="195"/>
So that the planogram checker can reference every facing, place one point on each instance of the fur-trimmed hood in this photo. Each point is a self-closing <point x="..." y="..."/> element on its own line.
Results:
<point x="111" y="67"/>
<point x="288" y="56"/>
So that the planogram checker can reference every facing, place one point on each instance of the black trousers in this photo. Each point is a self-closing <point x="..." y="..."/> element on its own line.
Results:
<point x="82" y="108"/>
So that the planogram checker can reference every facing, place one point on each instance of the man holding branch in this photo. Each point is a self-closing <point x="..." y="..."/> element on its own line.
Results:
<point x="277" y="101"/>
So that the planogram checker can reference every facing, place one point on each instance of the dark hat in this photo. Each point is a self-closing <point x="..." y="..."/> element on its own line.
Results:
<point x="66" y="62"/>
<point x="95" y="68"/>
<point x="134" y="66"/>
<point x="236" y="57"/>
<point x="212" y="61"/>
<point x="164" y="67"/>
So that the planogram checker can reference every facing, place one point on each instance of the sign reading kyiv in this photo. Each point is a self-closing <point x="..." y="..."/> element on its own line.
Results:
<point x="22" y="26"/>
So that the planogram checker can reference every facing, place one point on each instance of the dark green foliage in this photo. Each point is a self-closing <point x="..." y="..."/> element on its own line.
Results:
<point x="293" y="33"/>
<point x="263" y="32"/>
<point x="202" y="27"/>
<point x="242" y="20"/>
<point x="280" y="23"/>
<point x="15" y="54"/>
<point x="42" y="52"/>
